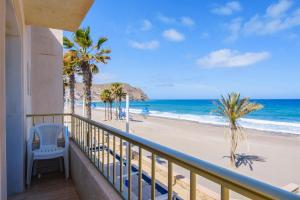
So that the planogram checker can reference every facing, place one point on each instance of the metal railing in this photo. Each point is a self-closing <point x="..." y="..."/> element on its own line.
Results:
<point x="101" y="143"/>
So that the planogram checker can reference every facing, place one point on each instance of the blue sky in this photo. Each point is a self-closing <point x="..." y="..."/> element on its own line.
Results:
<point x="201" y="49"/>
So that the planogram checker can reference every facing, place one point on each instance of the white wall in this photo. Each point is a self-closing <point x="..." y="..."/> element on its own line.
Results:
<point x="30" y="82"/>
<point x="15" y="138"/>
<point x="2" y="103"/>
<point x="14" y="79"/>
<point x="46" y="67"/>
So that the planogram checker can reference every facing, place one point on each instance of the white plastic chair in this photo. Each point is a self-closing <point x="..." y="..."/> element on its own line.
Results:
<point x="48" y="135"/>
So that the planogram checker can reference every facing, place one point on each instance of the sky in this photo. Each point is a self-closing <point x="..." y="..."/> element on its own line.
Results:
<point x="192" y="49"/>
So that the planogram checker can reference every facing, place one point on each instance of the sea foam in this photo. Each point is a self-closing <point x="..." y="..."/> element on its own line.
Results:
<point x="264" y="125"/>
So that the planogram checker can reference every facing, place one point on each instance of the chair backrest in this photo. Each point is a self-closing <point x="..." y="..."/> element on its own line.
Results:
<point x="48" y="133"/>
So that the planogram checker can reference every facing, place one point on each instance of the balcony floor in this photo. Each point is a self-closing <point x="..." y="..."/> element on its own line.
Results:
<point x="51" y="186"/>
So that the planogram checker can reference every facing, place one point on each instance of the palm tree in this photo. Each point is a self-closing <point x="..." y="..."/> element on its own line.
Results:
<point x="104" y="100"/>
<point x="115" y="87"/>
<point x="89" y="55"/>
<point x="120" y="95"/>
<point x="233" y="108"/>
<point x="106" y="97"/>
<point x="69" y="70"/>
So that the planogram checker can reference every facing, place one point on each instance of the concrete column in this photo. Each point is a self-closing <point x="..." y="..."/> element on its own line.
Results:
<point x="3" y="190"/>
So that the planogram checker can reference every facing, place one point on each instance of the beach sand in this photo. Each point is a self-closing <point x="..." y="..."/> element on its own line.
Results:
<point x="281" y="152"/>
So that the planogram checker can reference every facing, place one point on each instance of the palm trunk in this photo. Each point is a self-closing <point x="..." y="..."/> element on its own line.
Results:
<point x="87" y="84"/>
<point x="110" y="110"/>
<point x="120" y="100"/>
<point x="116" y="105"/>
<point x="106" y="111"/>
<point x="233" y="145"/>
<point x="72" y="92"/>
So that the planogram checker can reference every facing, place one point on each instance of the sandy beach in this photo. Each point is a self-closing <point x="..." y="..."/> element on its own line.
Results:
<point x="280" y="152"/>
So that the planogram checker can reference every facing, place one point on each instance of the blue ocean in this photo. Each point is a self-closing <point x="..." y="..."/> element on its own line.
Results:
<point x="278" y="115"/>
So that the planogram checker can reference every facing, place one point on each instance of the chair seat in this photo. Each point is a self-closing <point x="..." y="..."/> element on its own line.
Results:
<point x="48" y="152"/>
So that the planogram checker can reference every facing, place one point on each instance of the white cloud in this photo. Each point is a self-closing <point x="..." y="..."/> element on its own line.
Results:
<point x="146" y="25"/>
<point x="227" y="9"/>
<point x="149" y="45"/>
<point x="277" y="17"/>
<point x="227" y="58"/>
<point x="187" y="21"/>
<point x="281" y="7"/>
<point x="173" y="35"/>
<point x="165" y="19"/>
<point x="184" y="20"/>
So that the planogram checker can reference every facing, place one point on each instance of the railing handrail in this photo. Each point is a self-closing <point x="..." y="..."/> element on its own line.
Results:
<point x="237" y="182"/>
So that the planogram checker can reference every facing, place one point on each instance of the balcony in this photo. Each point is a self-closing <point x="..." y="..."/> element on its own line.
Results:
<point x="52" y="186"/>
<point x="107" y="163"/>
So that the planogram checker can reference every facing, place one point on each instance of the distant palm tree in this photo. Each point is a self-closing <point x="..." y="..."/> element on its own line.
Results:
<point x="118" y="94"/>
<point x="89" y="55"/>
<point x="104" y="100"/>
<point x="69" y="71"/>
<point x="233" y="108"/>
<point x="106" y="97"/>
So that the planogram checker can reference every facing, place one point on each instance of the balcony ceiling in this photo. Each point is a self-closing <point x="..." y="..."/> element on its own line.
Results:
<point x="57" y="14"/>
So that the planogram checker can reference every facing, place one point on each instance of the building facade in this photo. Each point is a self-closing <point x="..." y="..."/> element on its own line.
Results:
<point x="31" y="52"/>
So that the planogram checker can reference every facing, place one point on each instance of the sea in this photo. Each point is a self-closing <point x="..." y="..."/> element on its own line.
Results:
<point x="277" y="115"/>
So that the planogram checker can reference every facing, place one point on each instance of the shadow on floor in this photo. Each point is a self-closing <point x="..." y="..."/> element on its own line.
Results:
<point x="246" y="160"/>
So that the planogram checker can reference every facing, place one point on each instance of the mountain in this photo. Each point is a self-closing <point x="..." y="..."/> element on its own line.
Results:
<point x="135" y="93"/>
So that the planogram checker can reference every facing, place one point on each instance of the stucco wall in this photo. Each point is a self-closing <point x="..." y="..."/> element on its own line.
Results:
<point x="46" y="70"/>
<point x="2" y="103"/>
<point x="14" y="82"/>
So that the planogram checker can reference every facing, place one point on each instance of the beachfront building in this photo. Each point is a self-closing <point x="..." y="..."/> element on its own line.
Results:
<point x="31" y="93"/>
<point x="31" y="51"/>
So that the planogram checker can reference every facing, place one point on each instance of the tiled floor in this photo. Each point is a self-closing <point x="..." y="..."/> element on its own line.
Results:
<point x="52" y="186"/>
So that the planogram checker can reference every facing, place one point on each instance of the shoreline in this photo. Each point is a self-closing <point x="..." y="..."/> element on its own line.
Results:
<point x="279" y="133"/>
<point x="280" y="152"/>
<point x="224" y="126"/>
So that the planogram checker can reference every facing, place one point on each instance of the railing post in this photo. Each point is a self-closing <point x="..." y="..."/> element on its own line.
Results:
<point x="114" y="160"/>
<point x="170" y="180"/>
<point x="108" y="154"/>
<point x="153" y="176"/>
<point x="224" y="193"/>
<point x="129" y="171"/>
<point x="98" y="143"/>
<point x="72" y="126"/>
<point x="103" y="148"/>
<point x="192" y="186"/>
<point x="94" y="147"/>
<point x="140" y="189"/>
<point x="121" y="165"/>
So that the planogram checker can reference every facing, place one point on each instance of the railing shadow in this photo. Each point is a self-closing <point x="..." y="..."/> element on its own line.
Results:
<point x="246" y="160"/>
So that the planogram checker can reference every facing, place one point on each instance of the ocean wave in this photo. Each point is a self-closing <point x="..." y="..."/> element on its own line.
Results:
<point x="258" y="124"/>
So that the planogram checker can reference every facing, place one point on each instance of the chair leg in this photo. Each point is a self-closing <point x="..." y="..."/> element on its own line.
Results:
<point x="66" y="163"/>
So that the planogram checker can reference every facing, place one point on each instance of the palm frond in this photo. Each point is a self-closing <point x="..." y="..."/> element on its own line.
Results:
<point x="100" y="42"/>
<point x="67" y="43"/>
